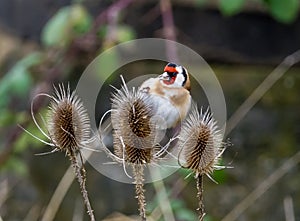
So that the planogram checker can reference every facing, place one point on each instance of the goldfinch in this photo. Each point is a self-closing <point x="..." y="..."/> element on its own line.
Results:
<point x="170" y="92"/>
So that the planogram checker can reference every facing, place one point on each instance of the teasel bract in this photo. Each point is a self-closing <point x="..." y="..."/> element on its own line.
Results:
<point x="201" y="146"/>
<point x="68" y="130"/>
<point x="134" y="134"/>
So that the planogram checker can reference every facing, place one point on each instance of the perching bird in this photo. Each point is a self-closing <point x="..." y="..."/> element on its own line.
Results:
<point x="170" y="92"/>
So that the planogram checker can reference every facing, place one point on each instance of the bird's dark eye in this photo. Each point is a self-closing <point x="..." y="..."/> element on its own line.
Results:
<point x="172" y="74"/>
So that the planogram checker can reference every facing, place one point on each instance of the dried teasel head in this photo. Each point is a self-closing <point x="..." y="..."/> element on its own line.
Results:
<point x="200" y="143"/>
<point x="67" y="123"/>
<point x="67" y="129"/>
<point x="134" y="131"/>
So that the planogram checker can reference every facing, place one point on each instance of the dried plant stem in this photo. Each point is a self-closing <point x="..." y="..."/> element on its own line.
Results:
<point x="138" y="172"/>
<point x="163" y="198"/>
<point x="178" y="186"/>
<point x="7" y="150"/>
<point x="168" y="28"/>
<point x="258" y="93"/>
<point x="263" y="187"/>
<point x="199" y="180"/>
<point x="58" y="195"/>
<point x="112" y="9"/>
<point x="289" y="209"/>
<point x="60" y="192"/>
<point x="81" y="177"/>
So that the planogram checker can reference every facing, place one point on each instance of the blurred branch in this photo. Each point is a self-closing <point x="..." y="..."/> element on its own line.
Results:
<point x="176" y="189"/>
<point x="33" y="213"/>
<point x="263" y="187"/>
<point x="59" y="195"/>
<point x="259" y="92"/>
<point x="78" y="210"/>
<point x="289" y="208"/>
<point x="164" y="206"/>
<point x="168" y="28"/>
<point x="5" y="188"/>
<point x="151" y="15"/>
<point x="110" y="12"/>
<point x="12" y="136"/>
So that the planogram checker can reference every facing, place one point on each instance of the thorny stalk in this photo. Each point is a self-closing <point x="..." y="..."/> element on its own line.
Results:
<point x="199" y="180"/>
<point x="138" y="171"/>
<point x="80" y="174"/>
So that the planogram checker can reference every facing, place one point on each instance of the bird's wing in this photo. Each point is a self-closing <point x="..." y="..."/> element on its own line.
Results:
<point x="147" y="85"/>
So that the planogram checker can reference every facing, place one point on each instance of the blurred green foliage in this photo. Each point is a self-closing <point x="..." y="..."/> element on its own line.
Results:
<point x="69" y="22"/>
<point x="25" y="140"/>
<point x="231" y="7"/>
<point x="18" y="81"/>
<point x="285" y="11"/>
<point x="16" y="165"/>
<point x="181" y="211"/>
<point x="178" y="206"/>
<point x="16" y="85"/>
<point x="220" y="176"/>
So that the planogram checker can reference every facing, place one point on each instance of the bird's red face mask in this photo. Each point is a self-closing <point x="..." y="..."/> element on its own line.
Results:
<point x="169" y="75"/>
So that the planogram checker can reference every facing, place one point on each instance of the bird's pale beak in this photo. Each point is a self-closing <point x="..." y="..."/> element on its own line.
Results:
<point x="164" y="76"/>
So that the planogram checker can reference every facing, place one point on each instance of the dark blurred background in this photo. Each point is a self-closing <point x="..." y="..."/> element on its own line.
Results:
<point x="44" y="42"/>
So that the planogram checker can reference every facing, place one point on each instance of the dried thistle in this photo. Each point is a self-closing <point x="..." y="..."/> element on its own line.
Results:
<point x="134" y="135"/>
<point x="68" y="129"/>
<point x="200" y="144"/>
<point x="68" y="122"/>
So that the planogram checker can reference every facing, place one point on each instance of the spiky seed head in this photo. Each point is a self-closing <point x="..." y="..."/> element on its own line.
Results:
<point x="200" y="142"/>
<point x="68" y="122"/>
<point x="134" y="131"/>
<point x="132" y="154"/>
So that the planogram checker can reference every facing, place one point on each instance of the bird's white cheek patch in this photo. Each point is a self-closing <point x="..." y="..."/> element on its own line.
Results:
<point x="179" y="80"/>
